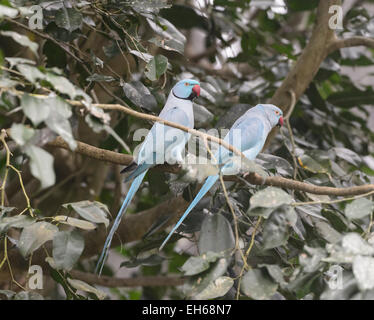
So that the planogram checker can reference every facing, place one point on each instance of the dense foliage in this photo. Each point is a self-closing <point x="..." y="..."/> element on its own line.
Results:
<point x="57" y="204"/>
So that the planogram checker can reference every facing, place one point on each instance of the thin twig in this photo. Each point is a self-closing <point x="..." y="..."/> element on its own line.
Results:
<point x="295" y="204"/>
<point x="245" y="266"/>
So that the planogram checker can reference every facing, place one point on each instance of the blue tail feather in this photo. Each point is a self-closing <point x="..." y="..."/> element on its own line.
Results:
<point x="138" y="171"/>
<point x="204" y="189"/>
<point x="134" y="187"/>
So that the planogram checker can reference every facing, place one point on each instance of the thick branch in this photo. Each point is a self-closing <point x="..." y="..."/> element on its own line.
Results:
<point x="118" y="158"/>
<point x="350" y="42"/>
<point x="94" y="152"/>
<point x="308" y="63"/>
<point x="104" y="155"/>
<point x="310" y="188"/>
<point x="127" y="282"/>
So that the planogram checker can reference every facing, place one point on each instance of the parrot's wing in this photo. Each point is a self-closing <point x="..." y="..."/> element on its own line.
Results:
<point x="160" y="138"/>
<point x="247" y="133"/>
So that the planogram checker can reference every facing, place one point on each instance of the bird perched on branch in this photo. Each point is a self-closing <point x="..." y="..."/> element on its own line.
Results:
<point x="248" y="134"/>
<point x="162" y="144"/>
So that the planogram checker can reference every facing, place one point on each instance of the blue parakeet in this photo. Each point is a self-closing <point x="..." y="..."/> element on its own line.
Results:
<point x="248" y="134"/>
<point x="162" y="144"/>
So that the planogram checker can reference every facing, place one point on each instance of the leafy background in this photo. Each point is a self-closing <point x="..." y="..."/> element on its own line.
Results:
<point x="56" y="205"/>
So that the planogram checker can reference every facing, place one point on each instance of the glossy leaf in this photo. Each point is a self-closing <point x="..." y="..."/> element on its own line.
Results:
<point x="67" y="248"/>
<point x="35" y="235"/>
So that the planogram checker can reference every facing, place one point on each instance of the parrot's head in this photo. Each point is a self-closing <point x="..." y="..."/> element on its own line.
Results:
<point x="187" y="89"/>
<point x="273" y="113"/>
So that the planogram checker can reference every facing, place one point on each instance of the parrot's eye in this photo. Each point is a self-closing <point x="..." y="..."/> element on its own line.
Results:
<point x="186" y="84"/>
<point x="277" y="113"/>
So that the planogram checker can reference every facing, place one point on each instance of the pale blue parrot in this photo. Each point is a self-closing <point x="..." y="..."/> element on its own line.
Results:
<point x="248" y="134"/>
<point x="162" y="144"/>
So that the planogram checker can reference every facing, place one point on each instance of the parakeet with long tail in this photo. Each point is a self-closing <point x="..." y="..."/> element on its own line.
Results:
<point x="248" y="134"/>
<point x="162" y="144"/>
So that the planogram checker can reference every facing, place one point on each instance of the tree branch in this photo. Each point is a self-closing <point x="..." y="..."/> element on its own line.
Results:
<point x="94" y="152"/>
<point x="350" y="42"/>
<point x="254" y="178"/>
<point x="105" y="155"/>
<point x="308" y="63"/>
<point x="281" y="182"/>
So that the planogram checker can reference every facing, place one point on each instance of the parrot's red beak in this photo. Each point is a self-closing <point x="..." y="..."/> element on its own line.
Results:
<point x="196" y="90"/>
<point x="280" y="122"/>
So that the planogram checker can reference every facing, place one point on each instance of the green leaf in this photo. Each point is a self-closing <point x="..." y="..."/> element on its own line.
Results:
<point x="7" y="83"/>
<point x="355" y="244"/>
<point x="156" y="67"/>
<point x="15" y="61"/>
<point x="202" y="115"/>
<point x="269" y="161"/>
<point x="21" y="134"/>
<point x="28" y="295"/>
<point x="57" y="120"/>
<point x="257" y="285"/>
<point x="82" y="286"/>
<point x="90" y="210"/>
<point x="363" y="270"/>
<point x="270" y="197"/>
<point x="6" y="11"/>
<point x="327" y="232"/>
<point x="196" y="265"/>
<point x="217" y="288"/>
<point x="68" y="18"/>
<point x="41" y="165"/>
<point x="275" y="229"/>
<point x="217" y="270"/>
<point x="350" y="246"/>
<point x="36" y="109"/>
<point x="19" y="221"/>
<point x="35" y="235"/>
<point x="31" y="73"/>
<point x="140" y="95"/>
<point x="275" y="272"/>
<point x="359" y="208"/>
<point x="67" y="248"/>
<point x="348" y="155"/>
<point x="351" y="97"/>
<point x="5" y="210"/>
<point x="311" y="260"/>
<point x="7" y="293"/>
<point x="216" y="234"/>
<point x="82" y="224"/>
<point x="22" y="40"/>
<point x="61" y="84"/>
<point x="169" y="37"/>
<point x="146" y="57"/>
<point x="308" y="163"/>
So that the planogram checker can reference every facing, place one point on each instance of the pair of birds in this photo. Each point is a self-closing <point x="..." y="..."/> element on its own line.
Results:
<point x="164" y="143"/>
